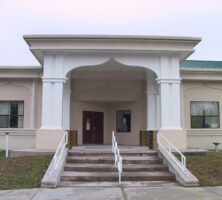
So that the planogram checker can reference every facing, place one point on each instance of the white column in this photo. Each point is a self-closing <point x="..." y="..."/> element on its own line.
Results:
<point x="176" y="105"/>
<point x="151" y="110"/>
<point x="170" y="104"/>
<point x="52" y="103"/>
<point x="151" y="102"/>
<point x="33" y="105"/>
<point x="66" y="105"/>
<point x="158" y="110"/>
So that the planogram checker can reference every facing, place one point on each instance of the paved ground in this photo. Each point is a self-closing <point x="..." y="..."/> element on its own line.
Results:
<point x="117" y="193"/>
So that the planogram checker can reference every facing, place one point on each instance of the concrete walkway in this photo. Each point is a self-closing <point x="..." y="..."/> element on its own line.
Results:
<point x="117" y="193"/>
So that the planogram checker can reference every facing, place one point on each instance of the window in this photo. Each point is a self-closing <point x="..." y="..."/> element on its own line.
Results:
<point x="123" y="121"/>
<point x="205" y="114"/>
<point x="11" y="114"/>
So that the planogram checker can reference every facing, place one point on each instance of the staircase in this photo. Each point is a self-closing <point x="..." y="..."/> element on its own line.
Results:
<point x="97" y="166"/>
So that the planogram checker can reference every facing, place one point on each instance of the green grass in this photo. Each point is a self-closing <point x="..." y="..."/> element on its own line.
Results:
<point x="207" y="168"/>
<point x="22" y="172"/>
<point x="2" y="154"/>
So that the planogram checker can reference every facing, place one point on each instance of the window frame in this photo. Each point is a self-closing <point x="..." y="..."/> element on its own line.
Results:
<point x="130" y="113"/>
<point x="18" y="115"/>
<point x="204" y="116"/>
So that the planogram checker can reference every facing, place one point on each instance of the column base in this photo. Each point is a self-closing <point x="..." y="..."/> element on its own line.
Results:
<point x="48" y="139"/>
<point x="177" y="137"/>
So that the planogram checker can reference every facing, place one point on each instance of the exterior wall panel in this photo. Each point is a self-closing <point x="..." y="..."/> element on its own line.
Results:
<point x="201" y="91"/>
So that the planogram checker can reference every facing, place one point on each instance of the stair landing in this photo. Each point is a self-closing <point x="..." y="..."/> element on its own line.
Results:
<point x="107" y="148"/>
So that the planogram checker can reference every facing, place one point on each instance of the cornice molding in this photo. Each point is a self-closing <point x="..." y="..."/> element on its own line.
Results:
<point x="198" y="75"/>
<point x="20" y="73"/>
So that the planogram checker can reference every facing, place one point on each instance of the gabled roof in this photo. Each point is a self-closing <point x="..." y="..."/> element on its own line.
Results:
<point x="201" y="64"/>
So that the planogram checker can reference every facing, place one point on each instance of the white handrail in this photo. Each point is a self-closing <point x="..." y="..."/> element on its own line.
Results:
<point x="168" y="148"/>
<point x="60" y="149"/>
<point x="118" y="158"/>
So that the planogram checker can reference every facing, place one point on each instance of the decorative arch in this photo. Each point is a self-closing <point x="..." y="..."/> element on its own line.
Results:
<point x="78" y="61"/>
<point x="198" y="87"/>
<point x="15" y="84"/>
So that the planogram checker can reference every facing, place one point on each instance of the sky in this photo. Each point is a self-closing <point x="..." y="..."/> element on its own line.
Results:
<point x="196" y="18"/>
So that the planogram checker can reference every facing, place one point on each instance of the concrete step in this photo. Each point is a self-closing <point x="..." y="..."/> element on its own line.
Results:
<point x="112" y="168"/>
<point x="113" y="176"/>
<point x="116" y="184"/>
<point x="143" y="153"/>
<point x="110" y="159"/>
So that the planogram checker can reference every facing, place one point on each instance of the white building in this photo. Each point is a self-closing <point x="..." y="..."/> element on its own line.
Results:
<point x="96" y="84"/>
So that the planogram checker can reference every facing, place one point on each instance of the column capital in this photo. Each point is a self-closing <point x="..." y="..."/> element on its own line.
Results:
<point x="168" y="81"/>
<point x="54" y="80"/>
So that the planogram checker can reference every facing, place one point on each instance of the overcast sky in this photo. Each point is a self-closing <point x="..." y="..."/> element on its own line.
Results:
<point x="201" y="18"/>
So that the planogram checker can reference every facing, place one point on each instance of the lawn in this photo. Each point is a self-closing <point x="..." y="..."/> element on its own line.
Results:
<point x="2" y="154"/>
<point x="207" y="168"/>
<point x="22" y="172"/>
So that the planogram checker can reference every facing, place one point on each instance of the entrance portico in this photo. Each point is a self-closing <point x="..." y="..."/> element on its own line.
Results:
<point x="65" y="58"/>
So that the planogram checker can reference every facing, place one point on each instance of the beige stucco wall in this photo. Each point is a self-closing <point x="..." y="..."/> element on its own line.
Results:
<point x="108" y="97"/>
<point x="18" y="138"/>
<point x="18" y="90"/>
<point x="48" y="139"/>
<point x="177" y="137"/>
<point x="138" y="122"/>
<point x="39" y="104"/>
<point x="21" y="90"/>
<point x="201" y="91"/>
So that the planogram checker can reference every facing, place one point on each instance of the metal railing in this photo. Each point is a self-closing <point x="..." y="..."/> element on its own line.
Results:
<point x="170" y="149"/>
<point x="60" y="149"/>
<point x="118" y="158"/>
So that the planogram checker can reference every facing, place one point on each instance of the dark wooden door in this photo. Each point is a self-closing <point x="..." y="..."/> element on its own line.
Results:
<point x="92" y="127"/>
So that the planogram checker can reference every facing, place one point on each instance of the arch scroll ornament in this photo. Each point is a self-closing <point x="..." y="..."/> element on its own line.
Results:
<point x="78" y="61"/>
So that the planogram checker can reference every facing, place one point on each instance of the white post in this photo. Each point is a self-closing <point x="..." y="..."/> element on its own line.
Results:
<point x="66" y="105"/>
<point x="151" y="91"/>
<point x="6" y="145"/>
<point x="52" y="92"/>
<point x="169" y="83"/>
<point x="52" y="103"/>
<point x="170" y="104"/>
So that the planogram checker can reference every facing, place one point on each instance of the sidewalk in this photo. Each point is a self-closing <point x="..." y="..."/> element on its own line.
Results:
<point x="117" y="193"/>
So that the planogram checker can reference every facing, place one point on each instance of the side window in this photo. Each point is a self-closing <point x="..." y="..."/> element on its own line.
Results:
<point x="123" y="121"/>
<point x="11" y="114"/>
<point x="205" y="114"/>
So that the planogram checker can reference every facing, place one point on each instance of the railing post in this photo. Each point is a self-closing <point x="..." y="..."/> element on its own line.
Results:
<point x="6" y="144"/>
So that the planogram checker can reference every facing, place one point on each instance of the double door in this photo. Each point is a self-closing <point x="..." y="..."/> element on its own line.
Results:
<point x="93" y="127"/>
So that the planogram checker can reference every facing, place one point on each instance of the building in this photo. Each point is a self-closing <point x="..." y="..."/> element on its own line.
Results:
<point x="99" y="83"/>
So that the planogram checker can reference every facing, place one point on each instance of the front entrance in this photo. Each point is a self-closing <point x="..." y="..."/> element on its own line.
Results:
<point x="92" y="127"/>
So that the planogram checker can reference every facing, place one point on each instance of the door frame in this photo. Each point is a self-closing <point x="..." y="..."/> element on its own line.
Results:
<point x="83" y="127"/>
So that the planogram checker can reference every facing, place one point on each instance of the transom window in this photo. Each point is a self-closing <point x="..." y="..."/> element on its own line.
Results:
<point x="11" y="114"/>
<point x="205" y="114"/>
<point x="123" y="121"/>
